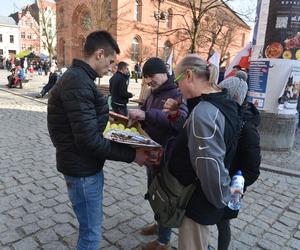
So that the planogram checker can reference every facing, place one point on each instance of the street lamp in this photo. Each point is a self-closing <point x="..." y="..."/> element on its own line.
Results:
<point x="159" y="16"/>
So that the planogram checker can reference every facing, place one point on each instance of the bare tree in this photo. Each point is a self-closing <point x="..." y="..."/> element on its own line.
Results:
<point x="143" y="55"/>
<point x="46" y="30"/>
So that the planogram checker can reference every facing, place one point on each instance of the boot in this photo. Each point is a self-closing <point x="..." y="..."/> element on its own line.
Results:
<point x="150" y="229"/>
<point x="155" y="245"/>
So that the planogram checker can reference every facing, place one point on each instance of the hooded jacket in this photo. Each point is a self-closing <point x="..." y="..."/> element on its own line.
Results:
<point x="203" y="153"/>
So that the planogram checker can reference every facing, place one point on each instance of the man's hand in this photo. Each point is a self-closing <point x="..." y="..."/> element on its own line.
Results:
<point x="135" y="115"/>
<point x="146" y="156"/>
<point x="171" y="107"/>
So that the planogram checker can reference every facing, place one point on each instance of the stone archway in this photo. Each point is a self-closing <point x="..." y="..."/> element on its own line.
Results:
<point x="81" y="26"/>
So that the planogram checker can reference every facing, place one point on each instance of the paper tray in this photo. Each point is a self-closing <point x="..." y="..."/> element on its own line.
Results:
<point x="110" y="136"/>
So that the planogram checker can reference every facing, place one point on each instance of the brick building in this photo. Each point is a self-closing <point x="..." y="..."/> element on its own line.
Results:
<point x="133" y="24"/>
<point x="27" y="21"/>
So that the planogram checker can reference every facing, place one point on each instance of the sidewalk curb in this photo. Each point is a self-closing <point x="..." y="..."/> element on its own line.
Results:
<point x="22" y="95"/>
<point x="278" y="170"/>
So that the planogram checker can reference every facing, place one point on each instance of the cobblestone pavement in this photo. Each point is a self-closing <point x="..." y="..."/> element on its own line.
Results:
<point x="35" y="212"/>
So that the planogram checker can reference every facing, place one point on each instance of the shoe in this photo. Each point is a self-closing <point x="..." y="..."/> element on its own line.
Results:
<point x="151" y="229"/>
<point x="154" y="245"/>
<point x="38" y="96"/>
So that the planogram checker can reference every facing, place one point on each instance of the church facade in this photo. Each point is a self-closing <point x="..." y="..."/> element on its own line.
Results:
<point x="134" y="24"/>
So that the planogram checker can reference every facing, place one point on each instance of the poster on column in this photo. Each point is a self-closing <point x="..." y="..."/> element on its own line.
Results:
<point x="283" y="30"/>
<point x="290" y="93"/>
<point x="258" y="78"/>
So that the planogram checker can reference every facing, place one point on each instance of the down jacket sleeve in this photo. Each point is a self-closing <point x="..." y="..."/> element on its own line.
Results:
<point x="79" y="104"/>
<point x="207" y="148"/>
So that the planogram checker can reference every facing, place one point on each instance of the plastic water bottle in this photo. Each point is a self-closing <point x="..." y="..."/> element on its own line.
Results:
<point x="237" y="183"/>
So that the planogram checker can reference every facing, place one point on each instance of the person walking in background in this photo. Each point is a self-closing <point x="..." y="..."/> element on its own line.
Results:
<point x="77" y="116"/>
<point x="248" y="156"/>
<point x="203" y="151"/>
<point x="118" y="85"/>
<point x="137" y="71"/>
<point x="161" y="128"/>
<point x="53" y="77"/>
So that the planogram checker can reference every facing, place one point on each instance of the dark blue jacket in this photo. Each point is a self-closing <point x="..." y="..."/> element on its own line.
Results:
<point x="157" y="125"/>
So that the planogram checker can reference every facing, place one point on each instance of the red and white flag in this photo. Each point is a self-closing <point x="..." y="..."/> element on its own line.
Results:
<point x="241" y="59"/>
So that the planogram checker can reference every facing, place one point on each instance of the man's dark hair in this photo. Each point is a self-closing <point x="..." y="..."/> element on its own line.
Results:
<point x="100" y="40"/>
<point x="238" y="67"/>
<point x="122" y="65"/>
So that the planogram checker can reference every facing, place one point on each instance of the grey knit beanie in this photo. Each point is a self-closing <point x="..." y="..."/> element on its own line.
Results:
<point x="237" y="88"/>
<point x="242" y="75"/>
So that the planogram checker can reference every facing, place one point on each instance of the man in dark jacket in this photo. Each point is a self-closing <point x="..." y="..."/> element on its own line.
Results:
<point x="160" y="128"/>
<point x="118" y="85"/>
<point x="77" y="116"/>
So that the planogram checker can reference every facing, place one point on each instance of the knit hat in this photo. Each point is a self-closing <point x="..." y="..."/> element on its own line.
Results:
<point x="154" y="65"/>
<point x="237" y="88"/>
<point x="242" y="75"/>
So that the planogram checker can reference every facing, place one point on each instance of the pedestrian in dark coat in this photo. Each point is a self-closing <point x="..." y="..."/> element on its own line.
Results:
<point x="118" y="85"/>
<point x="247" y="157"/>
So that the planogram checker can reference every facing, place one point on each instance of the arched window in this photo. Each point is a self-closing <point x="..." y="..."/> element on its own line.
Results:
<point x="170" y="19"/>
<point x="135" y="49"/>
<point x="137" y="10"/>
<point x="167" y="50"/>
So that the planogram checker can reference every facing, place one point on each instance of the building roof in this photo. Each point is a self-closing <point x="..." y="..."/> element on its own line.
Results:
<point x="32" y="8"/>
<point x="7" y="20"/>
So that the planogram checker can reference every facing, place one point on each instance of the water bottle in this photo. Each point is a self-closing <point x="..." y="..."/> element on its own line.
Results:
<point x="237" y="183"/>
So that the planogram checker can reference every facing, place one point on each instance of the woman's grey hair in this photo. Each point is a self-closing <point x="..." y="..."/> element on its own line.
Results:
<point x="200" y="68"/>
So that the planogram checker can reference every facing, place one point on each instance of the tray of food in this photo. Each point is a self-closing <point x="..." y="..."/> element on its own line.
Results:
<point x="117" y="130"/>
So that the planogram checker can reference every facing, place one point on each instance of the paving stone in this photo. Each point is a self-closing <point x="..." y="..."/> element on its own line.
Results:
<point x="55" y="245"/>
<point x="268" y="245"/>
<point x="46" y="236"/>
<point x="46" y="223"/>
<point x="9" y="237"/>
<point x="26" y="244"/>
<point x="64" y="230"/>
<point x="113" y="235"/>
<point x="31" y="228"/>
<point x="62" y="218"/>
<point x="275" y="238"/>
<point x="294" y="243"/>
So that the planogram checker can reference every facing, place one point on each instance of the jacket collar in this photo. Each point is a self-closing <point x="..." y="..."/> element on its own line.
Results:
<point x="168" y="85"/>
<point x="86" y="67"/>
<point x="193" y="102"/>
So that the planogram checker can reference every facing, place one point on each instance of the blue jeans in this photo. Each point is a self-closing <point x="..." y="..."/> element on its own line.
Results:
<point x="86" y="195"/>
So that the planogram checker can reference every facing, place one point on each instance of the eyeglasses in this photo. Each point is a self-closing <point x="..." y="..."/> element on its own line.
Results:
<point x="181" y="75"/>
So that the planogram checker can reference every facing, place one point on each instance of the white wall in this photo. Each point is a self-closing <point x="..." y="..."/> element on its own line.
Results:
<point x="5" y="45"/>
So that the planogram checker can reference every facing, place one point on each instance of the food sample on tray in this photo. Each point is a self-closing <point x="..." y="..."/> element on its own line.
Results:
<point x="117" y="130"/>
<point x="274" y="50"/>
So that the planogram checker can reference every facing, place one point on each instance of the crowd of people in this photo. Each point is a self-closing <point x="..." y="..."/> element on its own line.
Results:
<point x="206" y="128"/>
